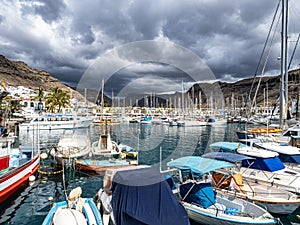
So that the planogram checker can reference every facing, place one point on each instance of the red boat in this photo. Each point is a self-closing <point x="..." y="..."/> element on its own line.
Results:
<point x="16" y="166"/>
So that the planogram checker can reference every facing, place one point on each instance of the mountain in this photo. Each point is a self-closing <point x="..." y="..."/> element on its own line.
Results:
<point x="269" y="87"/>
<point x="17" y="73"/>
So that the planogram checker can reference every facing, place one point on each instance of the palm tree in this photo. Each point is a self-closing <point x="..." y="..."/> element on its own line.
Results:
<point x="57" y="99"/>
<point x="40" y="96"/>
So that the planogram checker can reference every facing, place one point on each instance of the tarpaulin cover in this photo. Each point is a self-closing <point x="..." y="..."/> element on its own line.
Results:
<point x="267" y="164"/>
<point x="201" y="194"/>
<point x="143" y="196"/>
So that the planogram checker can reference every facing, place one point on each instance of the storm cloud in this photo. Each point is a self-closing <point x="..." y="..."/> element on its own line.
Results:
<point x="65" y="37"/>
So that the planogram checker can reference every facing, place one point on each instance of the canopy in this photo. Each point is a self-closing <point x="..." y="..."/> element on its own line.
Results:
<point x="143" y="196"/>
<point x="198" y="165"/>
<point x="227" y="146"/>
<point x="226" y="156"/>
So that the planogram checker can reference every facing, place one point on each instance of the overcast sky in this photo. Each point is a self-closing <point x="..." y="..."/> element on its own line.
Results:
<point x="66" y="37"/>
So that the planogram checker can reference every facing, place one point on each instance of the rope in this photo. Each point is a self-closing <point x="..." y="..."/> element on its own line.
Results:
<point x="44" y="172"/>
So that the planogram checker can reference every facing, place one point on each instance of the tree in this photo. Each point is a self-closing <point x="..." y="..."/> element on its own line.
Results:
<point x="57" y="99"/>
<point x="40" y="96"/>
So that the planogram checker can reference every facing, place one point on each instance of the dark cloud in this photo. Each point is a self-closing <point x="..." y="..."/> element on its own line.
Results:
<point x="48" y="10"/>
<point x="65" y="37"/>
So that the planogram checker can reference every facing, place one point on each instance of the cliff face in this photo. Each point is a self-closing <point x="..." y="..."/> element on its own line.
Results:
<point x="17" y="73"/>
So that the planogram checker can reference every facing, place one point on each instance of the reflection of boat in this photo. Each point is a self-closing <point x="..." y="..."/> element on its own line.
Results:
<point x="207" y="207"/>
<point x="140" y="195"/>
<point x="101" y="165"/>
<point x="16" y="165"/>
<point x="56" y="121"/>
<point x="76" y="210"/>
<point x="71" y="145"/>
<point x="275" y="200"/>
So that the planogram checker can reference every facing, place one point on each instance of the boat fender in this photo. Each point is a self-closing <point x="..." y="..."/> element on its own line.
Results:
<point x="32" y="178"/>
<point x="44" y="156"/>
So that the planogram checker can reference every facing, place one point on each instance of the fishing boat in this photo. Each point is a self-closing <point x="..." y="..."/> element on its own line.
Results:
<point x="75" y="210"/>
<point x="17" y="165"/>
<point x="207" y="207"/>
<point x="129" y="152"/>
<point x="140" y="195"/>
<point x="56" y="121"/>
<point x="275" y="200"/>
<point x="101" y="165"/>
<point x="72" y="145"/>
<point x="105" y="146"/>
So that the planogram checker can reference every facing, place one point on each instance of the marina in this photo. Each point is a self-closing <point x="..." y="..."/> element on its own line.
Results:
<point x="31" y="204"/>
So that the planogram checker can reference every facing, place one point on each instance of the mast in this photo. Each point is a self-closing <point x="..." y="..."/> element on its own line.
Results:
<point x="284" y="71"/>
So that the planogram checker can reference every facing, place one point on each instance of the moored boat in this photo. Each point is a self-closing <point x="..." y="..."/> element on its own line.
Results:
<point x="76" y="210"/>
<point x="56" y="121"/>
<point x="207" y="207"/>
<point x="16" y="166"/>
<point x="140" y="195"/>
<point x="232" y="182"/>
<point x="72" y="145"/>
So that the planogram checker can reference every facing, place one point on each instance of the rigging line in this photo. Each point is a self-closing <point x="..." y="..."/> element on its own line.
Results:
<point x="294" y="51"/>
<point x="266" y="61"/>
<point x="265" y="44"/>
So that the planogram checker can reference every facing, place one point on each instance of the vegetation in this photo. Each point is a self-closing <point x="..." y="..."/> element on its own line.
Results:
<point x="57" y="99"/>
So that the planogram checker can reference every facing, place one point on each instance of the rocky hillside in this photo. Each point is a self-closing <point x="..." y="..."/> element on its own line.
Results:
<point x="17" y="73"/>
<point x="239" y="91"/>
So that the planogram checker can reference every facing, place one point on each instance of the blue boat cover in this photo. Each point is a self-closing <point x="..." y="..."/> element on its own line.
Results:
<point x="227" y="146"/>
<point x="267" y="164"/>
<point x="226" y="156"/>
<point x="201" y="194"/>
<point x="197" y="165"/>
<point x="289" y="158"/>
<point x="143" y="197"/>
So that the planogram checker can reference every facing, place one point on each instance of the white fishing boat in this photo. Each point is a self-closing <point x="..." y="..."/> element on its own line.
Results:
<point x="76" y="210"/>
<point x="17" y="165"/>
<point x="207" y="207"/>
<point x="106" y="146"/>
<point x="232" y="182"/>
<point x="56" y="121"/>
<point x="72" y="145"/>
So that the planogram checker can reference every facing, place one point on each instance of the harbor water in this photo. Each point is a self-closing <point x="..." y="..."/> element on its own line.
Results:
<point x="31" y="204"/>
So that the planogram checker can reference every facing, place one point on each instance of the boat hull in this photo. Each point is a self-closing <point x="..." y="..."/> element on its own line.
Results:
<point x="211" y="218"/>
<point x="100" y="166"/>
<point x="89" y="212"/>
<point x="11" y="181"/>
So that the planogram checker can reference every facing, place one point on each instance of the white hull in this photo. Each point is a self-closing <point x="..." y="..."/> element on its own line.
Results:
<point x="283" y="179"/>
<point x="54" y="125"/>
<point x="213" y="216"/>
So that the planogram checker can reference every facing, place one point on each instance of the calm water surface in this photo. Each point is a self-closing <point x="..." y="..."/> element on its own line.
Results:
<point x="31" y="205"/>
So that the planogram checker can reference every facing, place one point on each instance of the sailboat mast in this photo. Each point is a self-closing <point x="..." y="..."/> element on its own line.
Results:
<point x="284" y="72"/>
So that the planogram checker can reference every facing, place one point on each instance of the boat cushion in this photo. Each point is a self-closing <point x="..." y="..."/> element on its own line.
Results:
<point x="201" y="194"/>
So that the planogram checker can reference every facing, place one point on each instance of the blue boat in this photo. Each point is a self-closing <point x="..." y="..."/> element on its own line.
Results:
<point x="141" y="195"/>
<point x="208" y="207"/>
<point x="79" y="211"/>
